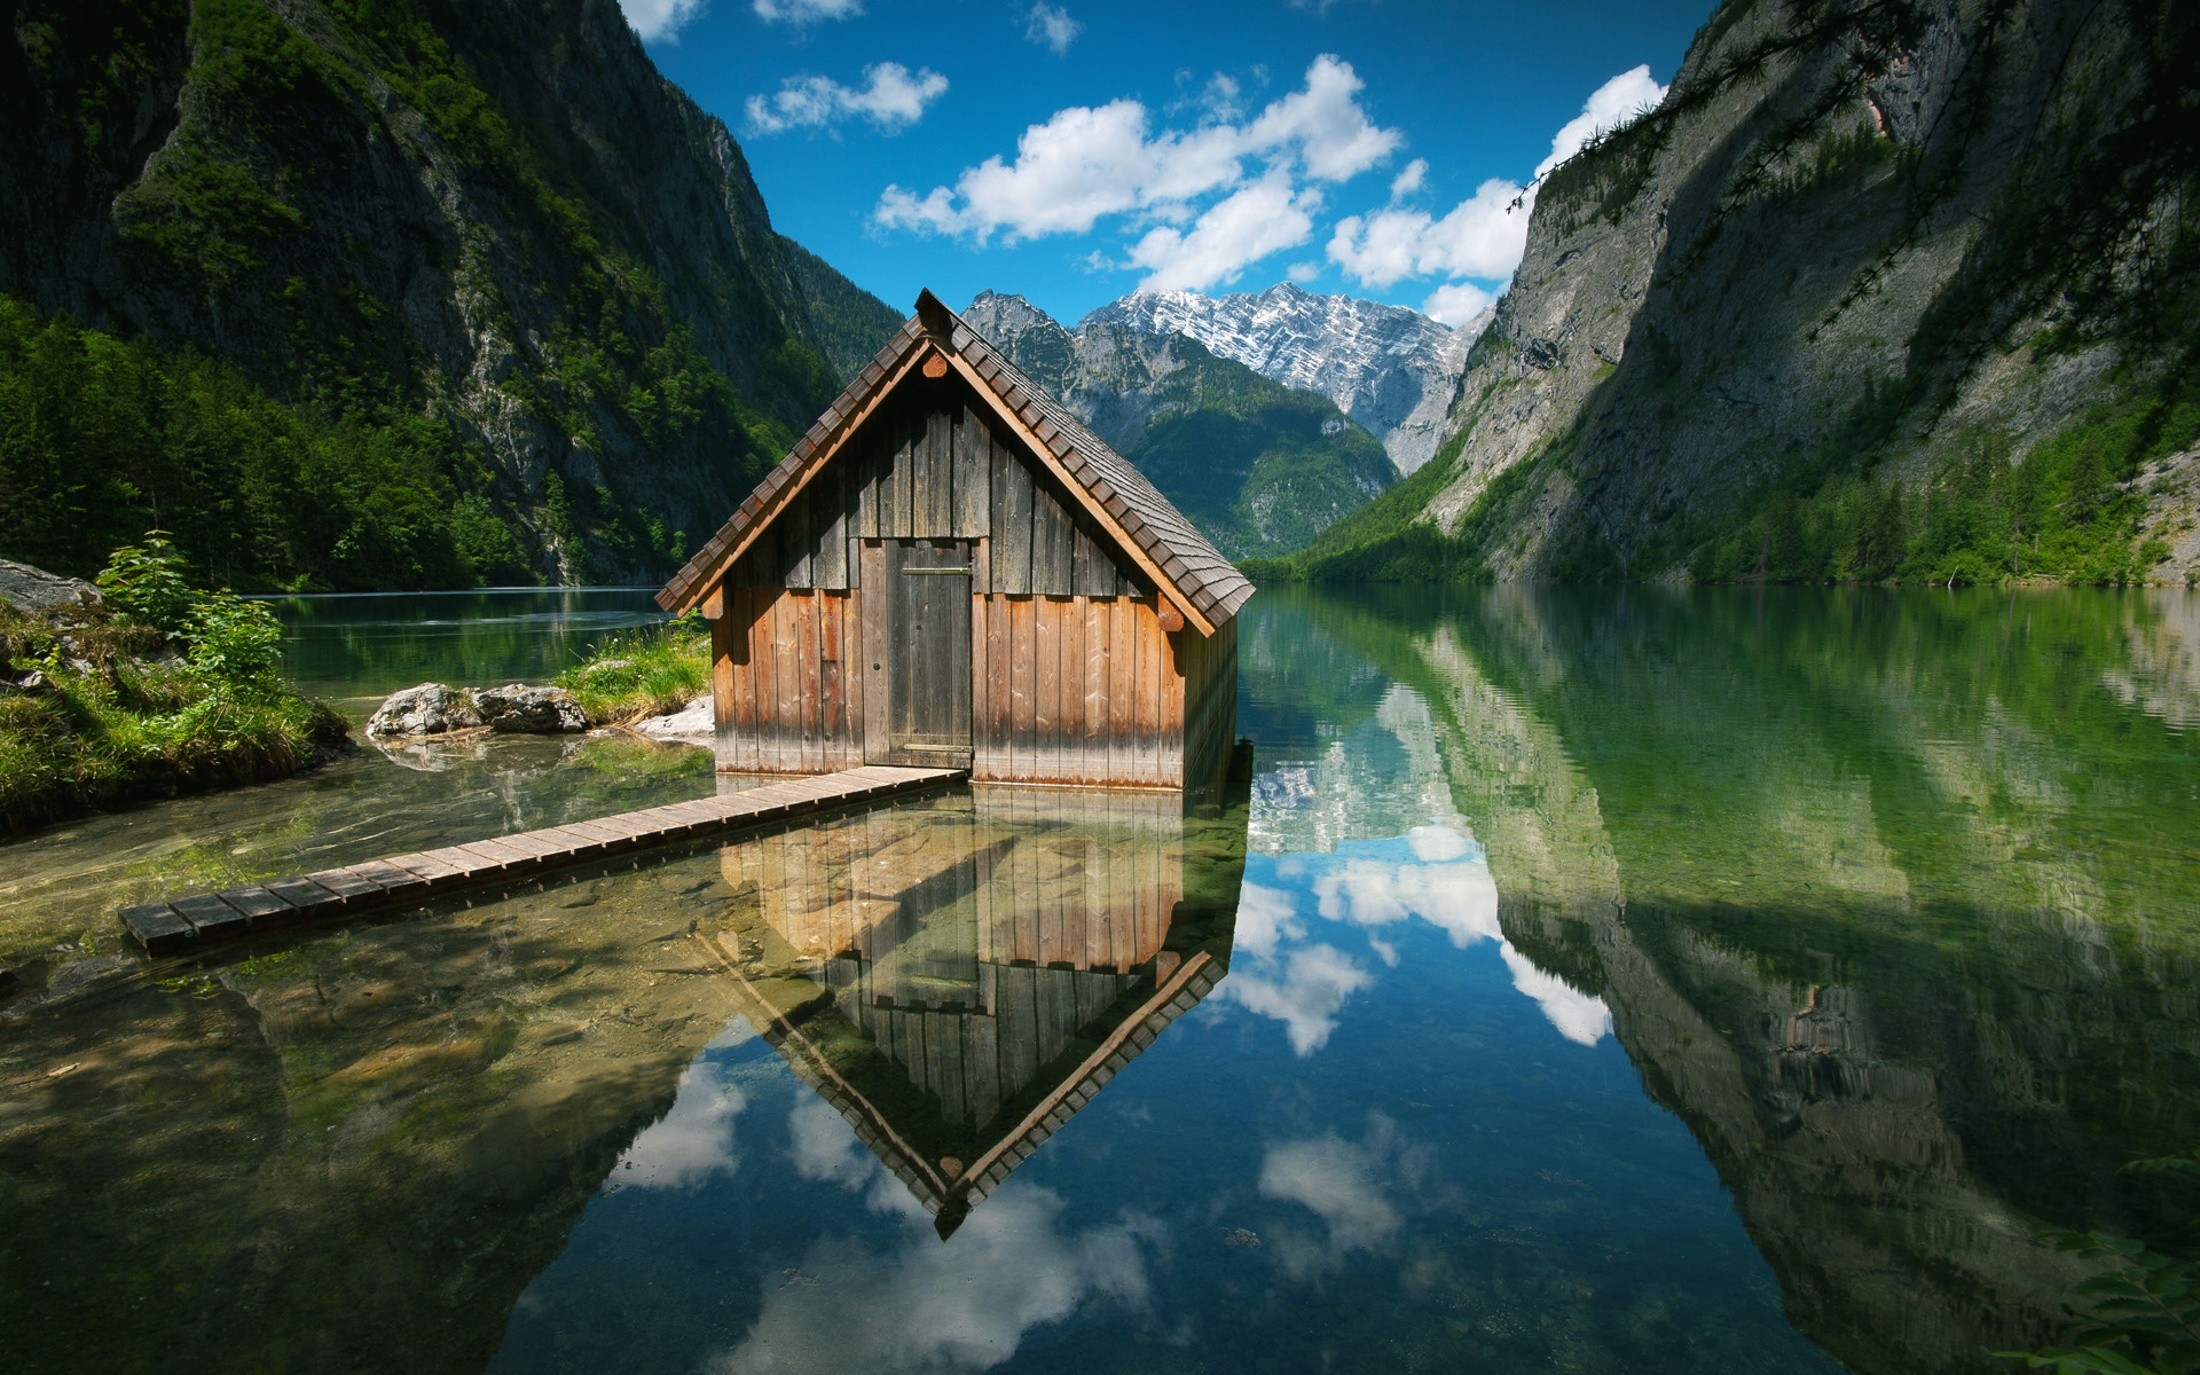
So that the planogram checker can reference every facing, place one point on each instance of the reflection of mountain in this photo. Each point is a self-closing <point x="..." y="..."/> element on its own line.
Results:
<point x="958" y="981"/>
<point x="1885" y="900"/>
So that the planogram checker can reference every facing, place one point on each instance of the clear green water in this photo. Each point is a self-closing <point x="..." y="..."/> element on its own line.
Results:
<point x="1614" y="982"/>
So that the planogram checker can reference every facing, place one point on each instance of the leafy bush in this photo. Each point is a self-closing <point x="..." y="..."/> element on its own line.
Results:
<point x="235" y="644"/>
<point x="146" y="581"/>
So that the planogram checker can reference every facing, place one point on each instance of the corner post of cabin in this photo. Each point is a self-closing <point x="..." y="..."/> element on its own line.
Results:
<point x="724" y="651"/>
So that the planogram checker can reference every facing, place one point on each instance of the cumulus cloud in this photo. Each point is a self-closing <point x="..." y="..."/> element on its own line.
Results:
<point x="1410" y="180"/>
<point x="660" y="21"/>
<point x="805" y="11"/>
<point x="1237" y="231"/>
<point x="1086" y="163"/>
<point x="891" y="97"/>
<point x="690" y="1143"/>
<point x="1613" y="105"/>
<point x="1482" y="237"/>
<point x="1458" y="304"/>
<point x="1050" y="26"/>
<point x="963" y="1306"/>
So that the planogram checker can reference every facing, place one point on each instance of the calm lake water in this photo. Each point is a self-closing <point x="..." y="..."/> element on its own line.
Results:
<point x="1637" y="981"/>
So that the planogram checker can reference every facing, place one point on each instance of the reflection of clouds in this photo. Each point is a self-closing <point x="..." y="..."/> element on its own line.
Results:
<point x="690" y="1143"/>
<point x="1580" y="1018"/>
<point x="1454" y="892"/>
<point x="965" y="1305"/>
<point x="1333" y="1179"/>
<point x="1314" y="983"/>
<point x="1265" y="916"/>
<point x="1436" y="873"/>
<point x="825" y="1148"/>
<point x="1345" y="1184"/>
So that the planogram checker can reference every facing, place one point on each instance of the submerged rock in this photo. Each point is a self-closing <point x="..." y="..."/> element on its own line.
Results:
<point x="35" y="590"/>
<point x="430" y="709"/>
<point x="516" y="708"/>
<point x="690" y="725"/>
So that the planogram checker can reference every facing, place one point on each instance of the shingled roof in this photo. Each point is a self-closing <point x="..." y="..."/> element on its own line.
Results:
<point x="1191" y="572"/>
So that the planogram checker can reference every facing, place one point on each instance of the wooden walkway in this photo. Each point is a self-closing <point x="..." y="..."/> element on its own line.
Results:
<point x="186" y="924"/>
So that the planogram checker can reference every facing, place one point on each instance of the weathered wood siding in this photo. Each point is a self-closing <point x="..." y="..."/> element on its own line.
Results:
<point x="1073" y="679"/>
<point x="929" y="466"/>
<point x="786" y="696"/>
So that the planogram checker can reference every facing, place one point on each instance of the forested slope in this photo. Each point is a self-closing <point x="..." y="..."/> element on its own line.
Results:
<point x="386" y="293"/>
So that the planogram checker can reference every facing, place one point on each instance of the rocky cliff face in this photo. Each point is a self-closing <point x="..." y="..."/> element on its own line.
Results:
<point x="1884" y="288"/>
<point x="1393" y="370"/>
<point x="1258" y="467"/>
<point x="496" y="213"/>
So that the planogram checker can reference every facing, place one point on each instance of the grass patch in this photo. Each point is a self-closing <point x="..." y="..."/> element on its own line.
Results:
<point x="645" y="673"/>
<point x="110" y="728"/>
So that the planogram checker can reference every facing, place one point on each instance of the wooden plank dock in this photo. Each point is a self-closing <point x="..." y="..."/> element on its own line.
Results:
<point x="186" y="924"/>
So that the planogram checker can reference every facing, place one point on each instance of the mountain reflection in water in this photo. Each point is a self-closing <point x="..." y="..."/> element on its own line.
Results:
<point x="1599" y="982"/>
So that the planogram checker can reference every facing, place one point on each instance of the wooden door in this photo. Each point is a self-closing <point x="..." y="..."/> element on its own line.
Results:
<point x="928" y="652"/>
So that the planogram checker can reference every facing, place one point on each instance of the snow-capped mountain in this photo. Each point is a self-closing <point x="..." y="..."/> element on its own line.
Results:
<point x="1258" y="466"/>
<point x="1391" y="369"/>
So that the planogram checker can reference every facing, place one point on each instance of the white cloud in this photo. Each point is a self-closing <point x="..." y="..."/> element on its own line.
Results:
<point x="1266" y="917"/>
<point x="1335" y="1180"/>
<point x="963" y="1306"/>
<point x="1457" y="304"/>
<point x="1577" y="1016"/>
<point x="1614" y="104"/>
<point x="892" y="96"/>
<point x="691" y="1142"/>
<point x="1086" y="163"/>
<point x="1410" y="180"/>
<point x="1242" y="228"/>
<point x="805" y="11"/>
<point x="825" y="1148"/>
<point x="1483" y="236"/>
<point x="1050" y="26"/>
<point x="1315" y="983"/>
<point x="1302" y="273"/>
<point x="658" y="21"/>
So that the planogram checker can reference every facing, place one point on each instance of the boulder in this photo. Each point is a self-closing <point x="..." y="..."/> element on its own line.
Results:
<point x="518" y="709"/>
<point x="37" y="591"/>
<point x="430" y="709"/>
<point x="692" y="724"/>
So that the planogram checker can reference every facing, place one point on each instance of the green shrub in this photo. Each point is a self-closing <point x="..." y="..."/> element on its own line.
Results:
<point x="147" y="581"/>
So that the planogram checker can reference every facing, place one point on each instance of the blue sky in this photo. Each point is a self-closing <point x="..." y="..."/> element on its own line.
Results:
<point x="1074" y="151"/>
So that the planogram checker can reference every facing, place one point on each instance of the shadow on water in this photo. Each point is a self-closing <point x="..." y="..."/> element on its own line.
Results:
<point x="355" y="1150"/>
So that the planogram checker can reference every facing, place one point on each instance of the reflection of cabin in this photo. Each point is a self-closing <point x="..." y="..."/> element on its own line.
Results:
<point x="958" y="979"/>
<point x="950" y="570"/>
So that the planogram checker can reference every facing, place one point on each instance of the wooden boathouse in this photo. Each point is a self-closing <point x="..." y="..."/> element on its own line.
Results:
<point x="949" y="570"/>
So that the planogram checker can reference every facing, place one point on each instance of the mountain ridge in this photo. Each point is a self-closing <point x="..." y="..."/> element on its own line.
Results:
<point x="1897" y="290"/>
<point x="1260" y="468"/>
<point x="1391" y="369"/>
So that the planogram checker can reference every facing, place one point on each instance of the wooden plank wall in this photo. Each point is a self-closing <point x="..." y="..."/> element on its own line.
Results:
<point x="787" y="693"/>
<point x="929" y="466"/>
<point x="1074" y="680"/>
<point x="1075" y="691"/>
